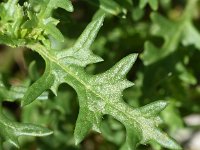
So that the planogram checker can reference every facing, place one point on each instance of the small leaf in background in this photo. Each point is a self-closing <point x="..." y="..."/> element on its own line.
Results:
<point x="152" y="3"/>
<point x="10" y="130"/>
<point x="173" y="33"/>
<point x="110" y="7"/>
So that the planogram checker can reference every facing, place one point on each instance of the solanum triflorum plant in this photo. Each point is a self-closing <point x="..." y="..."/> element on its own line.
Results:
<point x="98" y="94"/>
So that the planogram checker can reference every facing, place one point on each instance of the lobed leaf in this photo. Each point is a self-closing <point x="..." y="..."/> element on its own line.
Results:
<point x="99" y="94"/>
<point x="173" y="33"/>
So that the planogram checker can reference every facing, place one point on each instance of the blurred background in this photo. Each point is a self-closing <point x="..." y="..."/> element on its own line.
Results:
<point x="165" y="34"/>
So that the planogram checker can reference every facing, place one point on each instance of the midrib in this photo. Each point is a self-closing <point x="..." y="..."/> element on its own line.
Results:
<point x="42" y="51"/>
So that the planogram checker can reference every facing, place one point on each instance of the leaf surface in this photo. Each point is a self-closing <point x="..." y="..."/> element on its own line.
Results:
<point x="98" y="94"/>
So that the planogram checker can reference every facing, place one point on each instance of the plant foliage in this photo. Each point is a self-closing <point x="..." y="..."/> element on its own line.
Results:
<point x="34" y="25"/>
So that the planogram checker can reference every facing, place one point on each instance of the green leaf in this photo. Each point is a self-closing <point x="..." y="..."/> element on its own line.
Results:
<point x="3" y="90"/>
<point x="38" y="87"/>
<point x="132" y="139"/>
<point x="185" y="75"/>
<point x="110" y="7"/>
<point x="47" y="6"/>
<point x="191" y="36"/>
<point x="10" y="25"/>
<point x="44" y="19"/>
<point x="98" y="94"/>
<point x="10" y="131"/>
<point x="30" y="25"/>
<point x="173" y="33"/>
<point x="32" y="71"/>
<point x="152" y="3"/>
<point x="52" y="30"/>
<point x="16" y="92"/>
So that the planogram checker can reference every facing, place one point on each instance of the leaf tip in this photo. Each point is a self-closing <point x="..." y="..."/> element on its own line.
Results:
<point x="48" y="133"/>
<point x="162" y="104"/>
<point x="131" y="58"/>
<point x="54" y="89"/>
<point x="15" y="143"/>
<point x="100" y="19"/>
<point x="134" y="56"/>
<point x="77" y="140"/>
<point x="174" y="145"/>
<point x="23" y="103"/>
<point x="71" y="8"/>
